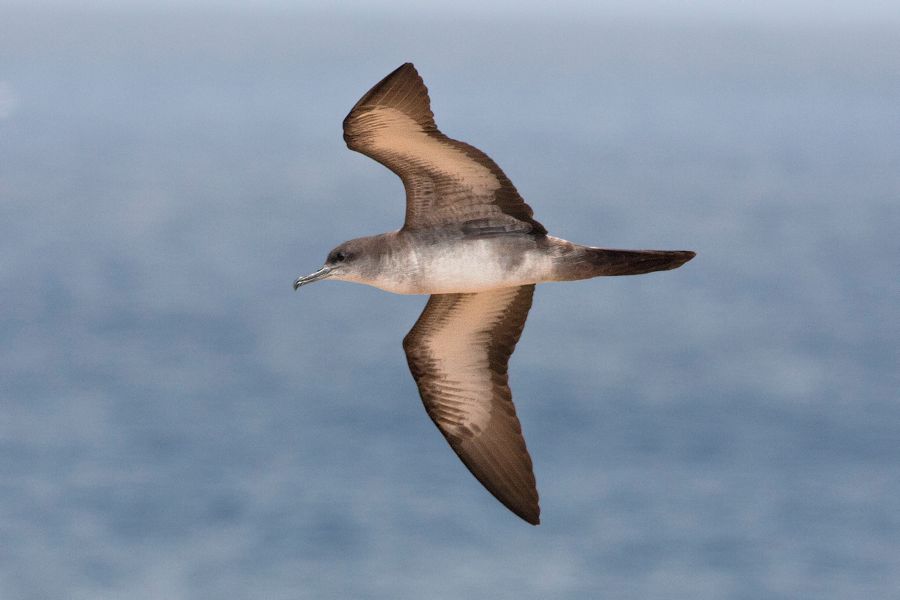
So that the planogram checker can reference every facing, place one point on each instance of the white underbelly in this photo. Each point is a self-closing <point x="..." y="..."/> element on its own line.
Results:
<point x="465" y="267"/>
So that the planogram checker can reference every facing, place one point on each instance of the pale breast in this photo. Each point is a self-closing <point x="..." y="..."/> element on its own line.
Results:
<point x="464" y="266"/>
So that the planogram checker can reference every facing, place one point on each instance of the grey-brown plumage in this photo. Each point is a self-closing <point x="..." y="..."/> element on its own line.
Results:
<point x="447" y="182"/>
<point x="469" y="240"/>
<point x="458" y="352"/>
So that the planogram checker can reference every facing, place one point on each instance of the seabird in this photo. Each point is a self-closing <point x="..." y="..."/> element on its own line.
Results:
<point x="471" y="242"/>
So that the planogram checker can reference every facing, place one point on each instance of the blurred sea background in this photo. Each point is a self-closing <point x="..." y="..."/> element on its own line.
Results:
<point x="176" y="422"/>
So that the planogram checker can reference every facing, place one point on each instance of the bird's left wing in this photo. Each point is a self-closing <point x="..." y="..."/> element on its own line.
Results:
<point x="458" y="352"/>
<point x="447" y="182"/>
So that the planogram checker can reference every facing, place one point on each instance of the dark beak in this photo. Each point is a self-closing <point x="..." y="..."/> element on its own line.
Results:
<point x="320" y="274"/>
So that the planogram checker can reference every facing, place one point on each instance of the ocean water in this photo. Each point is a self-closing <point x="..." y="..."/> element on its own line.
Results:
<point x="176" y="422"/>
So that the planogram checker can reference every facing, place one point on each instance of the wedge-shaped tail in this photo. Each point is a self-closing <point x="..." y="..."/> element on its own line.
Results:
<point x="586" y="262"/>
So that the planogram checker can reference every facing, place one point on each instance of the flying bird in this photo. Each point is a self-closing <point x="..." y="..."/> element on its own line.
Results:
<point x="472" y="243"/>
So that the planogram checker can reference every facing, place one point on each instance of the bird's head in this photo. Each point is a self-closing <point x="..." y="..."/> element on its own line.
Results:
<point x="348" y="262"/>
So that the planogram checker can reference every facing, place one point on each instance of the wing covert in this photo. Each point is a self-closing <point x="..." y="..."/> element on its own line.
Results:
<point x="458" y="352"/>
<point x="446" y="181"/>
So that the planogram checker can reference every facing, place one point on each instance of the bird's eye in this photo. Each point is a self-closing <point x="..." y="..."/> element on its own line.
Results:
<point x="339" y="257"/>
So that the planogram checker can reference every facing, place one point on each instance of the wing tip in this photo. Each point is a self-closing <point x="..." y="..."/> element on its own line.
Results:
<point x="396" y="87"/>
<point x="527" y="506"/>
<point x="531" y="517"/>
<point x="402" y="89"/>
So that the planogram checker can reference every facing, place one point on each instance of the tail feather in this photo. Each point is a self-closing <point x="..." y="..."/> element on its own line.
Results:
<point x="635" y="262"/>
<point x="596" y="262"/>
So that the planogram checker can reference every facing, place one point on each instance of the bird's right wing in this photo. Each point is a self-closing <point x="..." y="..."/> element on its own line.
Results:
<point x="458" y="352"/>
<point x="447" y="182"/>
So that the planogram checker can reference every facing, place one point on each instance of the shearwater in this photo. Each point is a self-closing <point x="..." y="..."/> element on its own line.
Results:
<point x="471" y="242"/>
